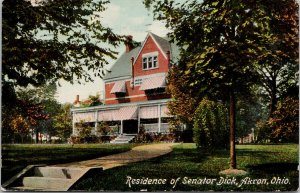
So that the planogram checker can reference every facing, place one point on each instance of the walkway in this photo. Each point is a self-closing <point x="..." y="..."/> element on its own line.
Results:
<point x="139" y="153"/>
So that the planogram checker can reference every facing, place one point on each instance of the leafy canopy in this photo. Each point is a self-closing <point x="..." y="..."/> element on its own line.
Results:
<point x="52" y="40"/>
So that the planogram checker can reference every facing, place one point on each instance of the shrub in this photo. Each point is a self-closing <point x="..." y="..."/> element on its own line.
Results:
<point x="103" y="128"/>
<point x="210" y="125"/>
<point x="144" y="137"/>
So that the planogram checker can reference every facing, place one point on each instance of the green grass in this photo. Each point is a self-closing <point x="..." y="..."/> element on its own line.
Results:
<point x="16" y="157"/>
<point x="260" y="161"/>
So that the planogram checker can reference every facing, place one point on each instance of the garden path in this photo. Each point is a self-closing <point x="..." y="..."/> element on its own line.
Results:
<point x="138" y="153"/>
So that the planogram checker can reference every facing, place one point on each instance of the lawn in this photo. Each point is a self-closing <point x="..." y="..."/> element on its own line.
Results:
<point x="16" y="157"/>
<point x="275" y="163"/>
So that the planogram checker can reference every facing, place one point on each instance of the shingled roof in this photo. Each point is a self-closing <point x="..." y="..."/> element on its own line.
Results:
<point x="122" y="67"/>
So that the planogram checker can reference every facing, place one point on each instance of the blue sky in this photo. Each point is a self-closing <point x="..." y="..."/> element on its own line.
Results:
<point x="126" y="17"/>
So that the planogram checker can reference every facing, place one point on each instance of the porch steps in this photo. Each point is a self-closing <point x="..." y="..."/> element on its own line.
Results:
<point x="123" y="139"/>
<point x="51" y="179"/>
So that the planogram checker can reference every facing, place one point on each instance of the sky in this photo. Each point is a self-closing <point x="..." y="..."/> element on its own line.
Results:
<point x="125" y="17"/>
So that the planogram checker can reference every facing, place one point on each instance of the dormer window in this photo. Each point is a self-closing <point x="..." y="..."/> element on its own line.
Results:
<point x="150" y="61"/>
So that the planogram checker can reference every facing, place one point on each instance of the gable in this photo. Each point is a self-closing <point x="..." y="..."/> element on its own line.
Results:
<point x="122" y="68"/>
<point x="150" y="49"/>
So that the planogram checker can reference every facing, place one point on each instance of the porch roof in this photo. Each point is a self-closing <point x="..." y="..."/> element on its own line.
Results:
<point x="128" y="113"/>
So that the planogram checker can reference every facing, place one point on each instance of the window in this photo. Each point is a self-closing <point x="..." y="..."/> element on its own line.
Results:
<point x="150" y="61"/>
<point x="154" y="61"/>
<point x="145" y="65"/>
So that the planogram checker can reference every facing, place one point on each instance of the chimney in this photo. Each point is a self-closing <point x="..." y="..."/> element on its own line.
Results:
<point x="169" y="58"/>
<point x="128" y="43"/>
<point x="77" y="102"/>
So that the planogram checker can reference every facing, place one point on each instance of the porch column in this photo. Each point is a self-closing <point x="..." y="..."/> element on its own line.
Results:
<point x="73" y="123"/>
<point x="96" y="122"/>
<point x="121" y="131"/>
<point x="159" y="117"/>
<point x="139" y="119"/>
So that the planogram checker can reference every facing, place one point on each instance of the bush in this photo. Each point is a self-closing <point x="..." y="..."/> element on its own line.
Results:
<point x="210" y="125"/>
<point x="144" y="137"/>
<point x="74" y="139"/>
<point x="103" y="128"/>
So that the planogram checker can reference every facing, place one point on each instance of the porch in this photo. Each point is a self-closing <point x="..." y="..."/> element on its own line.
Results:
<point x="126" y="119"/>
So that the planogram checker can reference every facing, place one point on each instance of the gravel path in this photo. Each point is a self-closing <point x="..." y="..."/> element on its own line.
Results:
<point x="137" y="154"/>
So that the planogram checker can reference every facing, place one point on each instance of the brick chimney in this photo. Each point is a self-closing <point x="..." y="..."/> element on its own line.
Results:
<point x="128" y="43"/>
<point x="76" y="99"/>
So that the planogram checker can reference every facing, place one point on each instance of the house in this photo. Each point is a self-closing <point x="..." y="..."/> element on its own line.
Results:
<point x="135" y="89"/>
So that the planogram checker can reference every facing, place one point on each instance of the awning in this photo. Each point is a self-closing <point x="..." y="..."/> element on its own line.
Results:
<point x="119" y="87"/>
<point x="109" y="115"/>
<point x="149" y="112"/>
<point x="165" y="111"/>
<point x="128" y="113"/>
<point x="85" y="117"/>
<point x="152" y="83"/>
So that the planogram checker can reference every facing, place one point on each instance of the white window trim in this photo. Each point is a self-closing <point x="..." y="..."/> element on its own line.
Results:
<point x="147" y="55"/>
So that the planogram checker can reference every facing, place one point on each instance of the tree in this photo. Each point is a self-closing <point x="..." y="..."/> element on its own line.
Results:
<point x="278" y="65"/>
<point x="185" y="100"/>
<point x="91" y="101"/>
<point x="51" y="40"/>
<point x="43" y="97"/>
<point x="20" y="126"/>
<point x="221" y="42"/>
<point x="63" y="122"/>
<point x="284" y="122"/>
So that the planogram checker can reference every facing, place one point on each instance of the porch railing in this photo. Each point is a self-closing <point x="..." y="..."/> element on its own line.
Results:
<point x="153" y="127"/>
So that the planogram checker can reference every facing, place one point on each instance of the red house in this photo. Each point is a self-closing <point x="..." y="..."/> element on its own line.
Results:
<point x="135" y="95"/>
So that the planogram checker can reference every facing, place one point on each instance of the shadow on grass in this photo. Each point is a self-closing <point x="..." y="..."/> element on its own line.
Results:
<point x="271" y="168"/>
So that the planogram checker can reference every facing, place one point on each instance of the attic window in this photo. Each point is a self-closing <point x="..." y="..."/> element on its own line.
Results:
<point x="150" y="61"/>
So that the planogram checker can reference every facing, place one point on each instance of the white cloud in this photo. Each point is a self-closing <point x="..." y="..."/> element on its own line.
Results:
<point x="158" y="28"/>
<point x="138" y="20"/>
<point x="111" y="15"/>
<point x="67" y="92"/>
<point x="138" y="35"/>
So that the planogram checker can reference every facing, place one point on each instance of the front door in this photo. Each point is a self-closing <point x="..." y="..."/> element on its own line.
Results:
<point x="130" y="126"/>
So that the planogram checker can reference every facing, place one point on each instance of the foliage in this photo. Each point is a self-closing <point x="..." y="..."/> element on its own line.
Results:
<point x="103" y="128"/>
<point x="184" y="99"/>
<point x="91" y="101"/>
<point x="44" y="98"/>
<point x="285" y="121"/>
<point x="278" y="65"/>
<point x="20" y="126"/>
<point x="222" y="42"/>
<point x="63" y="122"/>
<point x="262" y="132"/>
<point x="251" y="110"/>
<point x="35" y="104"/>
<point x="84" y="129"/>
<point x="211" y="125"/>
<point x="47" y="41"/>
<point x="145" y="137"/>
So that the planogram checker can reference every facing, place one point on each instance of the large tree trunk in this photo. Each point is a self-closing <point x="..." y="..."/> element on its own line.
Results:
<point x="273" y="99"/>
<point x="232" y="131"/>
<point x="36" y="136"/>
<point x="273" y="103"/>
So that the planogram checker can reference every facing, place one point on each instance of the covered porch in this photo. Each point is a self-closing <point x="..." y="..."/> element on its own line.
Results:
<point x="126" y="119"/>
